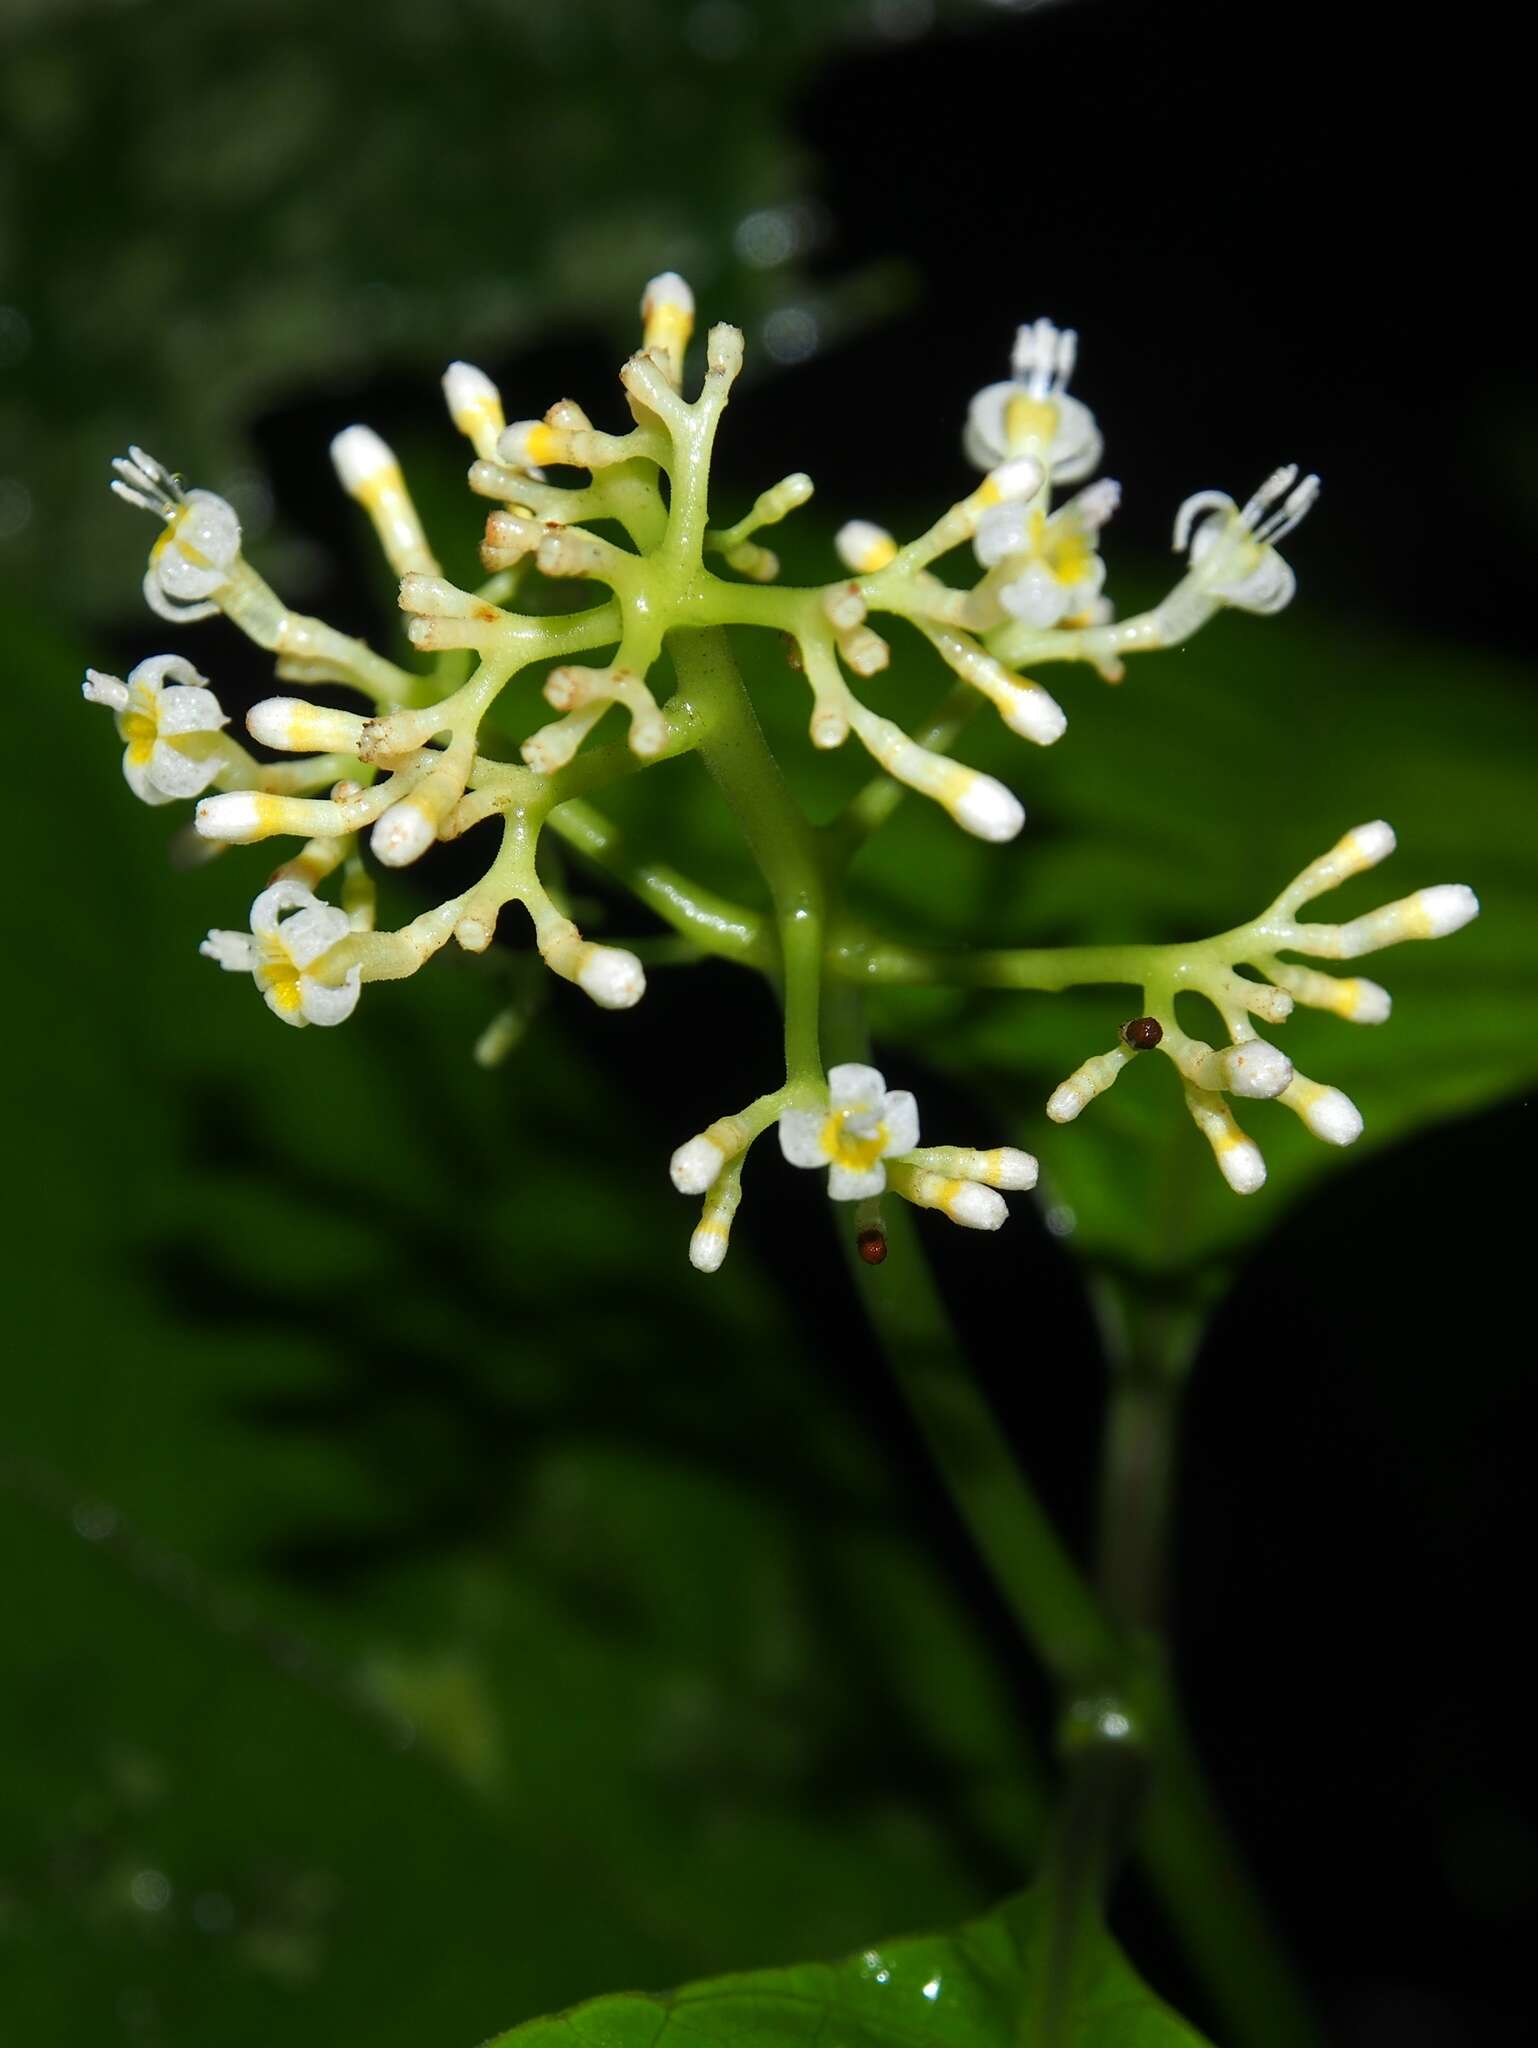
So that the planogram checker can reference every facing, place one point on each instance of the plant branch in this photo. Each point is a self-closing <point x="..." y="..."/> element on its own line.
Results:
<point x="734" y="750"/>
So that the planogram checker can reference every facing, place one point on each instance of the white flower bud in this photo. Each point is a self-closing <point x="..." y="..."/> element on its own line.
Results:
<point x="695" y="1165"/>
<point x="864" y="547"/>
<point x="1255" y="1069"/>
<point x="402" y="834"/>
<point x="986" y="809"/>
<point x="613" y="977"/>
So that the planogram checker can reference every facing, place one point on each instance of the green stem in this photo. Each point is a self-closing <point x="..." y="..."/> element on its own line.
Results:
<point x="714" y="924"/>
<point x="1182" y="1838"/>
<point x="861" y="955"/>
<point x="735" y="752"/>
<point x="1123" y="1732"/>
<point x="1039" y="1581"/>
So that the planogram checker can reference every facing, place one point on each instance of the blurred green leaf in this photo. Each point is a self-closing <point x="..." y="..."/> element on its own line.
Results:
<point x="962" y="1990"/>
<point x="433" y="1601"/>
<point x="295" y="196"/>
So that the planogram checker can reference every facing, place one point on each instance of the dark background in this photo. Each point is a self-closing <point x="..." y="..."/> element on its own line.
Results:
<point x="1296" y="234"/>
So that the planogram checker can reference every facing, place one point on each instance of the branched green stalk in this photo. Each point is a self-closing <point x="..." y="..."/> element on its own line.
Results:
<point x="415" y="769"/>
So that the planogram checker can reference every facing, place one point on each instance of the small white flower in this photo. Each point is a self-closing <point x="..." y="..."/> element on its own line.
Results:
<point x="1032" y="412"/>
<point x="1233" y="547"/>
<point x="864" y="1123"/>
<point x="164" y="726"/>
<point x="193" y="558"/>
<point x="1060" y="573"/>
<point x="291" y="933"/>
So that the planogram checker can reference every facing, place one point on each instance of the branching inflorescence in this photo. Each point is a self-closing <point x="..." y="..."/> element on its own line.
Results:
<point x="409" y="768"/>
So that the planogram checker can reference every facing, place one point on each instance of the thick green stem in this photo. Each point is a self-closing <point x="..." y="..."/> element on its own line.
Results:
<point x="734" y="750"/>
<point x="1130" y="1759"/>
<point x="1182" y="1838"/>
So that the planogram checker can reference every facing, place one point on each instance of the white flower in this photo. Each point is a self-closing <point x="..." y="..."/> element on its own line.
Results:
<point x="1060" y="574"/>
<point x="1032" y="413"/>
<point x="281" y="950"/>
<point x="164" y="726"/>
<point x="864" y="1123"/>
<point x="193" y="558"/>
<point x="1233" y="547"/>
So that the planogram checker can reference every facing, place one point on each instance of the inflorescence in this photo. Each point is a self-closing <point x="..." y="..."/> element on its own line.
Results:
<point x="408" y="768"/>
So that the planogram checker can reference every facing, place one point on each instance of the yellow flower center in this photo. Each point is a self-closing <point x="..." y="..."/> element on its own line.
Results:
<point x="139" y="736"/>
<point x="852" y="1148"/>
<point x="276" y="975"/>
<point x="1030" y="425"/>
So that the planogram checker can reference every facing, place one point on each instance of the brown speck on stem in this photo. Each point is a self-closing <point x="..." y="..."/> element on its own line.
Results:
<point x="1142" y="1033"/>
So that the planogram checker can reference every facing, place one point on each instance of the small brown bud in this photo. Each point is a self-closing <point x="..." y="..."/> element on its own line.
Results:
<point x="1142" y="1033"/>
<point x="871" y="1244"/>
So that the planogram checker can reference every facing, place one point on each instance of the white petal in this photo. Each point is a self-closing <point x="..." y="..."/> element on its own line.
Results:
<point x="185" y="708"/>
<point x="100" y="688"/>
<point x="983" y="441"/>
<point x="137" y="775"/>
<point x="1194" y="506"/>
<point x="1035" y="597"/>
<point x="275" y="899"/>
<point x="210" y="525"/>
<point x="1001" y="532"/>
<point x="900" y="1114"/>
<point x="852" y="1086"/>
<point x="801" y="1136"/>
<point x="281" y="1011"/>
<point x="235" y="952"/>
<point x="321" y="1004"/>
<point x="158" y="669"/>
<point x="162" y="606"/>
<point x="845" y="1185"/>
<point x="312" y="932"/>
<point x="1268" y="588"/>
<point x="178" y="774"/>
<point x="181" y="577"/>
<point x="1077" y="445"/>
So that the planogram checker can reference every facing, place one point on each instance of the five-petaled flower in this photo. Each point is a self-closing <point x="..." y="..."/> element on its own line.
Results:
<point x="1051" y="561"/>
<point x="195" y="556"/>
<point x="166" y="728"/>
<point x="864" y="1123"/>
<point x="1032" y="412"/>
<point x="282" y="949"/>
<point x="1233" y="547"/>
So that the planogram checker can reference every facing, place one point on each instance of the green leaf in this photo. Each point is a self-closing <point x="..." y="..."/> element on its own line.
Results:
<point x="966" y="1989"/>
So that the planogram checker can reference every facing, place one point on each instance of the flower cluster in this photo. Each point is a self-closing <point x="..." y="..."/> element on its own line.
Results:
<point x="408" y="766"/>
<point x="1249" y="1066"/>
